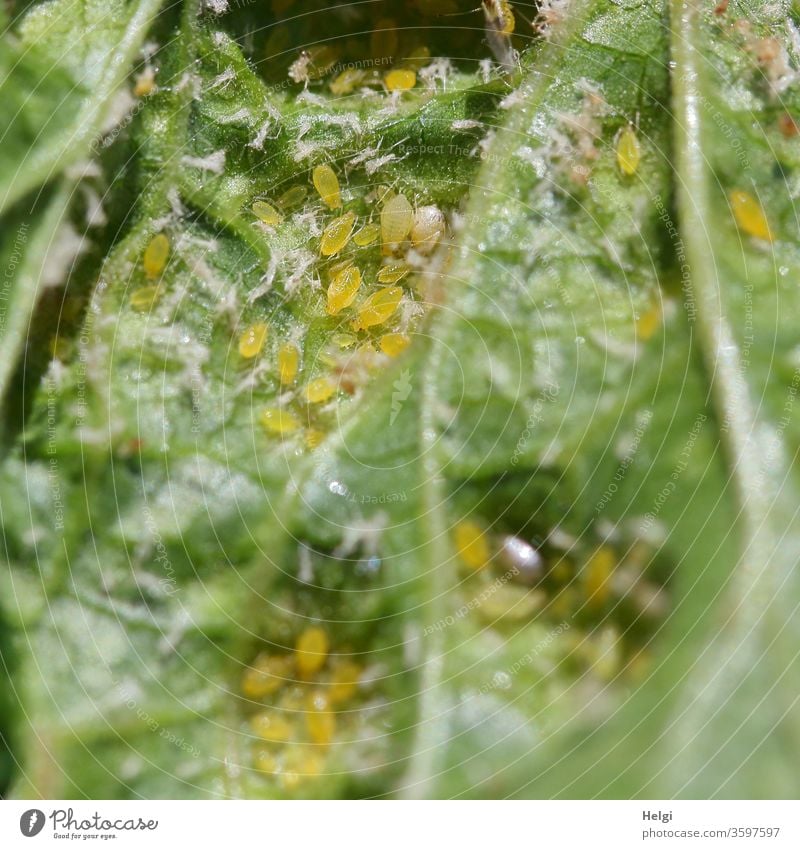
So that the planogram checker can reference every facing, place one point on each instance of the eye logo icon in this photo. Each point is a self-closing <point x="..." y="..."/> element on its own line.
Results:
<point x="31" y="822"/>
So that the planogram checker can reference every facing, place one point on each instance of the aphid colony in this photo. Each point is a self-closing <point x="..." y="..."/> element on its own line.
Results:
<point x="296" y="696"/>
<point x="367" y="304"/>
<point x="317" y="62"/>
<point x="400" y="227"/>
<point x="506" y="580"/>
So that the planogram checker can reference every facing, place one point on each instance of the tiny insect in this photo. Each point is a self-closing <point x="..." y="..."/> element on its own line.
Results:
<point x="367" y="235"/>
<point x="267" y="674"/>
<point x="279" y="421"/>
<point x="346" y="82"/>
<point x="320" y="390"/>
<point x="327" y="184"/>
<point x="749" y="214"/>
<point x="428" y="229"/>
<point x="337" y="234"/>
<point x="145" y="83"/>
<point x="266" y="213"/>
<point x="320" y="720"/>
<point x="384" y="39"/>
<point x="272" y="727"/>
<point x="344" y="682"/>
<point x="378" y="308"/>
<point x="400" y="79"/>
<point x="343" y="290"/>
<point x="629" y="151"/>
<point x="252" y="340"/>
<point x="311" y="651"/>
<point x="145" y="298"/>
<point x="393" y="344"/>
<point x="472" y="544"/>
<point x="648" y="322"/>
<point x="343" y="341"/>
<point x="314" y="437"/>
<point x="288" y="362"/>
<point x="417" y="59"/>
<point x="394" y="272"/>
<point x="155" y="256"/>
<point x="397" y="219"/>
<point x="292" y="197"/>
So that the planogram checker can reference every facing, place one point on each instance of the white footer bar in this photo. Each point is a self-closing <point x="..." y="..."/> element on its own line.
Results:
<point x="402" y="825"/>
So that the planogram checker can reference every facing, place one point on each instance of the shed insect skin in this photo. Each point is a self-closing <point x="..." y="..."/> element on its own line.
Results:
<point x="500" y="26"/>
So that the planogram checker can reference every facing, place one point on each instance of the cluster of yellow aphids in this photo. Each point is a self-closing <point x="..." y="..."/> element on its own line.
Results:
<point x="400" y="227"/>
<point x="298" y="695"/>
<point x="366" y="298"/>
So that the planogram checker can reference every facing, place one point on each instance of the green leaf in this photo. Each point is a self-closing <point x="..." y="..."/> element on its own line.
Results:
<point x="600" y="365"/>
<point x="61" y="75"/>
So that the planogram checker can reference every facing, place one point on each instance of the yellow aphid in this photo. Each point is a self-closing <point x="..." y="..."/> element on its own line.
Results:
<point x="60" y="347"/>
<point x="344" y="682"/>
<point x="428" y="229"/>
<point x="266" y="676"/>
<point x="379" y="307"/>
<point x="265" y="761"/>
<point x="145" y="298"/>
<point x="320" y="721"/>
<point x="346" y="82"/>
<point x="327" y="184"/>
<point x="338" y="267"/>
<point x="417" y="59"/>
<point x="383" y="194"/>
<point x="472" y="544"/>
<point x="749" y="215"/>
<point x="400" y="79"/>
<point x="344" y="340"/>
<point x="597" y="576"/>
<point x="277" y="43"/>
<point x="320" y="390"/>
<point x="629" y="152"/>
<point x="145" y="83"/>
<point x="393" y="344"/>
<point x="321" y="726"/>
<point x="311" y="651"/>
<point x="293" y="197"/>
<point x="314" y="437"/>
<point x="648" y="322"/>
<point x="367" y="235"/>
<point x="277" y="420"/>
<point x="393" y="273"/>
<point x="337" y="234"/>
<point x="384" y="39"/>
<point x="343" y="290"/>
<point x="301" y="764"/>
<point x="272" y="727"/>
<point x="288" y="362"/>
<point x="252" y="340"/>
<point x="155" y="256"/>
<point x="267" y="213"/>
<point x="397" y="219"/>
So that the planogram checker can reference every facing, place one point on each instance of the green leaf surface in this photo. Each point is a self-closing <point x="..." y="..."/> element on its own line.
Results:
<point x="601" y="364"/>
